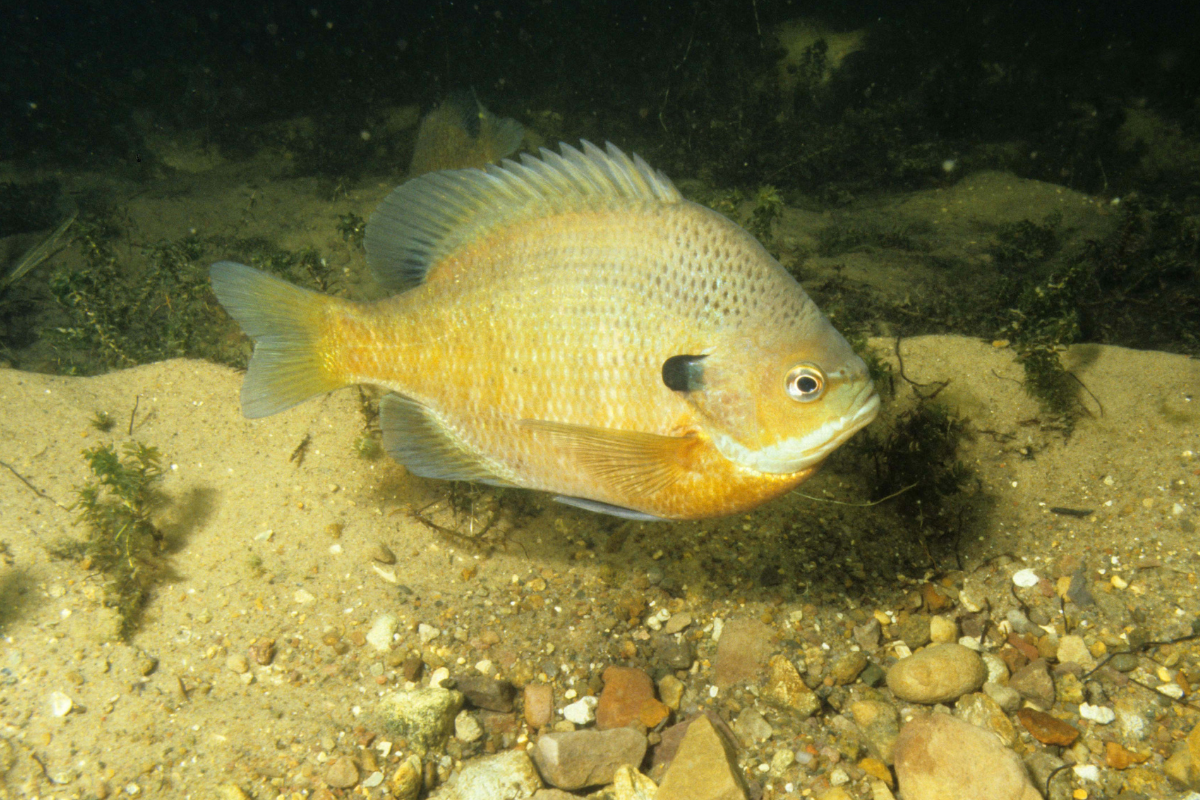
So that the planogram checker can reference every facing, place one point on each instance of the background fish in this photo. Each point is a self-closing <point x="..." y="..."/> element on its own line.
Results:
<point x="461" y="133"/>
<point x="570" y="324"/>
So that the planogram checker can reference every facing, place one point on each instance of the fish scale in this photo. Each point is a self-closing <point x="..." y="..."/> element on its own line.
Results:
<point x="538" y="304"/>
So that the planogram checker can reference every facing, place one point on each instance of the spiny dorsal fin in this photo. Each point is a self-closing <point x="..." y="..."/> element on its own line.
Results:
<point x="427" y="218"/>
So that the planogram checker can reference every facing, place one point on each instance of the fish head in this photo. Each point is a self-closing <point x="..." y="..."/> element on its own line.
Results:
<point x="782" y="402"/>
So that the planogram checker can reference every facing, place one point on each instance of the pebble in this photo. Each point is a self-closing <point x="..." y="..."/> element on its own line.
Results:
<point x="1025" y="578"/>
<point x="670" y="689"/>
<point x="1073" y="650"/>
<point x="880" y="725"/>
<point x="785" y="689"/>
<point x="1048" y="729"/>
<point x="751" y="727"/>
<point x="1099" y="714"/>
<point x="582" y="711"/>
<point x="424" y="717"/>
<point x="60" y="705"/>
<point x="742" y="650"/>
<point x="678" y="622"/>
<point x="629" y="784"/>
<point x="704" y="768"/>
<point x="938" y="674"/>
<point x="982" y="711"/>
<point x="467" y="728"/>
<point x="238" y="663"/>
<point x="942" y="630"/>
<point x="539" y="704"/>
<point x="342" y="773"/>
<point x="628" y="697"/>
<point x="1006" y="697"/>
<point x="914" y="631"/>
<point x="575" y="759"/>
<point x="938" y="756"/>
<point x="491" y="694"/>
<point x="408" y="780"/>
<point x="383" y="629"/>
<point x="847" y="668"/>
<point x="1034" y="683"/>
<point x="510" y="775"/>
<point x="427" y="633"/>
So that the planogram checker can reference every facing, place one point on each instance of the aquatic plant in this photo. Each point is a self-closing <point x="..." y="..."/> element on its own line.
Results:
<point x="122" y="543"/>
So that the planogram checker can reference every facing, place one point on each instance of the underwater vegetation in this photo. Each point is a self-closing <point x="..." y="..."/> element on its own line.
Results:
<point x="125" y="307"/>
<point x="121" y="543"/>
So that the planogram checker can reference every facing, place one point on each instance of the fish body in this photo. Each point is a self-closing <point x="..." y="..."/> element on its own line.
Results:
<point x="570" y="324"/>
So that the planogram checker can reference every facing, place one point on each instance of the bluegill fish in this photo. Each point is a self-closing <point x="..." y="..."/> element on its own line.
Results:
<point x="570" y="324"/>
<point x="462" y="133"/>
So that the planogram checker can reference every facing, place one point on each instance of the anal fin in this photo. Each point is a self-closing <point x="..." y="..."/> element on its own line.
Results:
<point x="418" y="439"/>
<point x="608" y="508"/>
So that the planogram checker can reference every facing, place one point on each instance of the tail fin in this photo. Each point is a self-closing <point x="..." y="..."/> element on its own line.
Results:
<point x="288" y="365"/>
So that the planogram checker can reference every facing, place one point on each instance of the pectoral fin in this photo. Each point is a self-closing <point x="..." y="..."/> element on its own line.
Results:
<point x="629" y="464"/>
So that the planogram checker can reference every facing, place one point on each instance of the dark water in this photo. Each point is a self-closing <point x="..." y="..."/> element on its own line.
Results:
<point x="1097" y="97"/>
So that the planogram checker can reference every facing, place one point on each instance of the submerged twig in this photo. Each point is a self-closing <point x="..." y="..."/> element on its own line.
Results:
<point x="38" y="254"/>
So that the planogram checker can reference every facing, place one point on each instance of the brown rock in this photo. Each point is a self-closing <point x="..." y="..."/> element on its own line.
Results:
<point x="935" y="600"/>
<point x="939" y="757"/>
<point x="940" y="673"/>
<point x="1048" y="729"/>
<point x="847" y="668"/>
<point x="981" y="710"/>
<point x="787" y="690"/>
<point x="1034" y="683"/>
<point x="876" y="768"/>
<point x="489" y="693"/>
<point x="628" y="695"/>
<point x="342" y="773"/>
<point x="539" y="704"/>
<point x="1118" y="757"/>
<point x="705" y="768"/>
<point x="575" y="759"/>
<point x="741" y="652"/>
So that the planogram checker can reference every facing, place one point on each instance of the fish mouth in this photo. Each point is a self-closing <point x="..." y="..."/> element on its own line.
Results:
<point x="809" y="450"/>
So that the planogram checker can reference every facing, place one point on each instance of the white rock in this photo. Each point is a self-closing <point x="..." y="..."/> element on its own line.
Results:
<point x="467" y="728"/>
<point x="60" y="704"/>
<point x="1025" y="578"/>
<point x="1087" y="772"/>
<point x="1101" y="714"/>
<point x="427" y="633"/>
<point x="382" y="631"/>
<point x="582" y="711"/>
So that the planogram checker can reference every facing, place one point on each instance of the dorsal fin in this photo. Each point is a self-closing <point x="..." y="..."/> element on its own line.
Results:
<point x="427" y="218"/>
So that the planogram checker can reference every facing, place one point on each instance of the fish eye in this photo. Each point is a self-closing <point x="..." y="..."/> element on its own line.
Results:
<point x="805" y="383"/>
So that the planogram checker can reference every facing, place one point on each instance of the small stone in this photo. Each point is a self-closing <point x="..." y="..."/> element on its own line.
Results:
<point x="938" y="674"/>
<point x="146" y="665"/>
<point x="704" y="768"/>
<point x="938" y="756"/>
<point x="383" y="554"/>
<point x="408" y="779"/>
<point x="628" y="697"/>
<point x="576" y="759"/>
<point x="847" y="668"/>
<point x="423" y="716"/>
<point x="935" y="600"/>
<point x="982" y="711"/>
<point x="60" y="705"/>
<point x="1006" y="697"/>
<point x="787" y="690"/>
<point x="1034" y="683"/>
<point x="582" y="711"/>
<point x="880" y="725"/>
<point x="1102" y="715"/>
<point x="1072" y="649"/>
<point x="673" y="653"/>
<point x="742" y="650"/>
<point x="1048" y="729"/>
<point x="1117" y="757"/>
<point x="539" y="704"/>
<point x="914" y="631"/>
<point x="877" y="769"/>
<point x="427" y="633"/>
<point x="942" y="630"/>
<point x="467" y="728"/>
<point x="629" y="784"/>
<point x="867" y="635"/>
<point x="238" y="663"/>
<point x="412" y="668"/>
<point x="510" y="775"/>
<point x="677" y="623"/>
<point x="491" y="694"/>
<point x="262" y="651"/>
<point x="670" y="689"/>
<point x="1025" y="578"/>
<point x="382" y="632"/>
<point x="1124" y="662"/>
<point x="751" y="727"/>
<point x="342" y="773"/>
